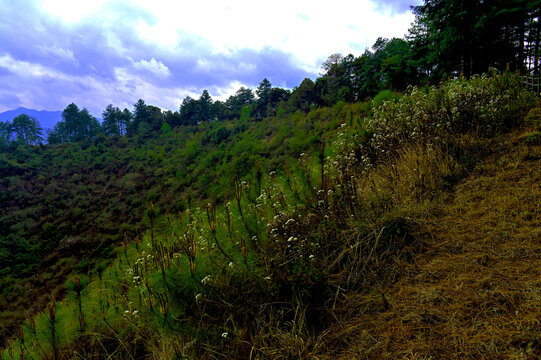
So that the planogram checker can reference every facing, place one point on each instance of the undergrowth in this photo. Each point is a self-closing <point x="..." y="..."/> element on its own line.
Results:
<point x="265" y="271"/>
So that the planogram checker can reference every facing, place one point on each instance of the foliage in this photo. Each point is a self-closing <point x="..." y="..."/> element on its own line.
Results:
<point x="115" y="121"/>
<point x="483" y="105"/>
<point x="279" y="248"/>
<point x="76" y="125"/>
<point x="454" y="37"/>
<point x="23" y="129"/>
<point x="74" y="201"/>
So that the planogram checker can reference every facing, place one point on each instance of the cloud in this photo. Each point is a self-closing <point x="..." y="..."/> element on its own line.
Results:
<point x="153" y="66"/>
<point x="56" y="63"/>
<point x="399" y="6"/>
<point x="302" y="16"/>
<point x="10" y="100"/>
<point x="54" y="52"/>
<point x="58" y="52"/>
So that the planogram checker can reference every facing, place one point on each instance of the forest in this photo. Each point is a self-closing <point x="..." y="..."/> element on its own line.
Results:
<point x="246" y="228"/>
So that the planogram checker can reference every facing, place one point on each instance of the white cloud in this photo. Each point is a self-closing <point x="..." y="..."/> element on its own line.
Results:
<point x="222" y="93"/>
<point x="324" y="28"/>
<point x="154" y="66"/>
<point x="115" y="43"/>
<point x="72" y="10"/>
<point x="138" y="87"/>
<point x="308" y="29"/>
<point x="26" y="69"/>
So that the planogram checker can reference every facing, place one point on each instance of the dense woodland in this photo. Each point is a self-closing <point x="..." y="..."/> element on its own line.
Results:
<point x="252" y="201"/>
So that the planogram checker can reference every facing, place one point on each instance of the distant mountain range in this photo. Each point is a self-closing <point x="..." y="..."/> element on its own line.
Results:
<point x="47" y="119"/>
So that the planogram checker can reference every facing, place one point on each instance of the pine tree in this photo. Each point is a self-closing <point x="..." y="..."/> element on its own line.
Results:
<point x="27" y="129"/>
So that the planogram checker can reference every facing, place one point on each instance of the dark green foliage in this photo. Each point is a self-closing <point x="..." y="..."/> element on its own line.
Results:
<point x="453" y="37"/>
<point x="76" y="200"/>
<point x="172" y="118"/>
<point x="236" y="104"/>
<point x="263" y="92"/>
<point x="115" y="121"/>
<point x="23" y="129"/>
<point x="6" y="131"/>
<point x="147" y="120"/>
<point x="382" y="96"/>
<point x="278" y="98"/>
<point x="189" y="111"/>
<point x="351" y="79"/>
<point x="140" y="115"/>
<point x="220" y="134"/>
<point x="27" y="129"/>
<point x="206" y="109"/>
<point x="290" y="218"/>
<point x="302" y="97"/>
<point x="76" y="125"/>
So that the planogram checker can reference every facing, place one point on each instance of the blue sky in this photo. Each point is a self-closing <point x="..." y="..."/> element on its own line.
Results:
<point x="97" y="52"/>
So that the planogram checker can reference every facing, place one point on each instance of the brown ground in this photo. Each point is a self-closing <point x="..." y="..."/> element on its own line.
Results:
<point x="475" y="291"/>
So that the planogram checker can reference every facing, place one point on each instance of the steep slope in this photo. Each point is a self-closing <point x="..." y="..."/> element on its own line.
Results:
<point x="355" y="251"/>
<point x="475" y="292"/>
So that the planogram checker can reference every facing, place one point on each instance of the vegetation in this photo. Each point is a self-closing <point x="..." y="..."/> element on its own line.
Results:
<point x="278" y="223"/>
<point x="270" y="264"/>
<point x="66" y="206"/>
<point x="24" y="129"/>
<point x="468" y="37"/>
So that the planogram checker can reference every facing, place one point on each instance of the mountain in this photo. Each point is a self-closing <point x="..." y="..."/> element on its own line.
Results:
<point x="47" y="119"/>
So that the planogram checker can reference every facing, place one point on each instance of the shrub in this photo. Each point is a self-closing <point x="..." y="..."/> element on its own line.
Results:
<point x="383" y="96"/>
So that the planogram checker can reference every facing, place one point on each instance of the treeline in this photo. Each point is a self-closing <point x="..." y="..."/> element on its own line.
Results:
<point x="453" y="37"/>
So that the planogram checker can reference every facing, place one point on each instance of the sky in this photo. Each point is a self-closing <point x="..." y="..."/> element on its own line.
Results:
<point x="97" y="52"/>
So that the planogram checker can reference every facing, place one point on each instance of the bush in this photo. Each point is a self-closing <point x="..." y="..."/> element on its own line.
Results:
<point x="484" y="105"/>
<point x="382" y="96"/>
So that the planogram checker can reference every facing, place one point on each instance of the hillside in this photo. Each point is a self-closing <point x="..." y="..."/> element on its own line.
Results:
<point x="373" y="233"/>
<point x="65" y="207"/>
<point x="474" y="289"/>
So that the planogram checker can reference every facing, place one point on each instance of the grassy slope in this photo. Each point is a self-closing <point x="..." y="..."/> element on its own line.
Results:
<point x="475" y="292"/>
<point x="382" y="298"/>
<point x="89" y="197"/>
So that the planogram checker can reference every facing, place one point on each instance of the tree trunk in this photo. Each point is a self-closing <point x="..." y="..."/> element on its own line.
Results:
<point x="536" y="46"/>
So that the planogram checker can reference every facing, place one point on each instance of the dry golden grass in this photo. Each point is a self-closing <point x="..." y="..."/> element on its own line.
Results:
<point x="475" y="290"/>
<point x="413" y="178"/>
